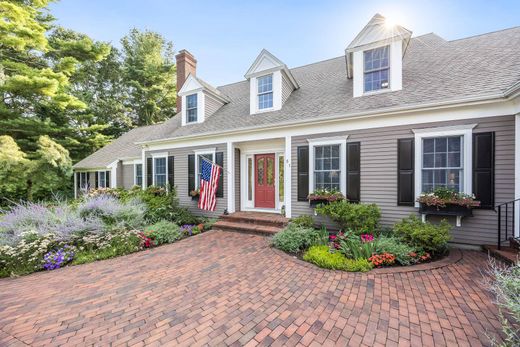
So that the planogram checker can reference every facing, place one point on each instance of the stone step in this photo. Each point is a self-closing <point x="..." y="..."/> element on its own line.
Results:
<point x="227" y="225"/>
<point x="266" y="219"/>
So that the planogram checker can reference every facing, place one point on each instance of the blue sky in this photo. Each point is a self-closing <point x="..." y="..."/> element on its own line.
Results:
<point x="226" y="36"/>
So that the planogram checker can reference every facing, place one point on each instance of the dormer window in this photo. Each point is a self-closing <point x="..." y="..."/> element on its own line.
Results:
<point x="265" y="92"/>
<point x="191" y="108"/>
<point x="376" y="69"/>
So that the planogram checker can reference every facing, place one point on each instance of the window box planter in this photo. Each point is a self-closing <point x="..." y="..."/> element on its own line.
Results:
<point x="316" y="202"/>
<point x="457" y="211"/>
<point x="324" y="197"/>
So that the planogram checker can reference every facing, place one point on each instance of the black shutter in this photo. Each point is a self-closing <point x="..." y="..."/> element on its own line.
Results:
<point x="96" y="180"/>
<point x="484" y="169"/>
<point x="191" y="173"/>
<point x="149" y="172"/>
<point x="219" y="160"/>
<point x="303" y="172"/>
<point x="88" y="180"/>
<point x="170" y="171"/>
<point x="107" y="179"/>
<point x="78" y="182"/>
<point x="405" y="172"/>
<point x="353" y="171"/>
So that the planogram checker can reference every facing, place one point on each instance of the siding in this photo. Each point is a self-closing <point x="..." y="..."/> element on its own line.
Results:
<point x="181" y="179"/>
<point x="211" y="105"/>
<point x="286" y="88"/>
<point x="379" y="174"/>
<point x="128" y="176"/>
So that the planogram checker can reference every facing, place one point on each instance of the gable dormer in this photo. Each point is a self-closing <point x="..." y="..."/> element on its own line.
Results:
<point x="270" y="83"/>
<point x="199" y="100"/>
<point x="375" y="57"/>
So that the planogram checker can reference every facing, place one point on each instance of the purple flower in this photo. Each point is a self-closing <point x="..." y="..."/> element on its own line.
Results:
<point x="56" y="259"/>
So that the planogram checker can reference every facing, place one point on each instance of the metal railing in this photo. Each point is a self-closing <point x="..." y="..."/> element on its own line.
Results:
<point x="506" y="221"/>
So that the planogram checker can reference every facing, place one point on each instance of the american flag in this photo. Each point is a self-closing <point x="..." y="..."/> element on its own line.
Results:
<point x="209" y="177"/>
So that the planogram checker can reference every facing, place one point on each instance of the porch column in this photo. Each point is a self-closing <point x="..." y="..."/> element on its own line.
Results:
<point x="288" y="177"/>
<point x="229" y="172"/>
<point x="75" y="184"/>
<point x="517" y="175"/>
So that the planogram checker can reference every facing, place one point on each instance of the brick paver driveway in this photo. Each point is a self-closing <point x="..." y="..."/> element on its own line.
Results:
<point x="225" y="288"/>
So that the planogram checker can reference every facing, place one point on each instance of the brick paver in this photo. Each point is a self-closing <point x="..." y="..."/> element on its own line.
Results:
<point x="223" y="288"/>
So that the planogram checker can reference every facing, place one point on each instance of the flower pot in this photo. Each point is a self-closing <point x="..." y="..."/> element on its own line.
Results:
<point x="448" y="210"/>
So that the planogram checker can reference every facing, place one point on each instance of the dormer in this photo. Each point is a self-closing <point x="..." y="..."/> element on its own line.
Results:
<point x="375" y="57"/>
<point x="270" y="83"/>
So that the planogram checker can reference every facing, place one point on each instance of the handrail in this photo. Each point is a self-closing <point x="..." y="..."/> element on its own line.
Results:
<point x="507" y="223"/>
<point x="505" y="203"/>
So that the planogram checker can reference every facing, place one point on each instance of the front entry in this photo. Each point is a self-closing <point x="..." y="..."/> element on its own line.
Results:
<point x="265" y="178"/>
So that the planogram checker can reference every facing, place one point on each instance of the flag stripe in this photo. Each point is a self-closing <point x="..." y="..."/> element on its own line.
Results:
<point x="209" y="178"/>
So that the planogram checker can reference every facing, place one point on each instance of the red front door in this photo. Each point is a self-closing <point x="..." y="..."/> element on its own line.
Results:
<point x="264" y="180"/>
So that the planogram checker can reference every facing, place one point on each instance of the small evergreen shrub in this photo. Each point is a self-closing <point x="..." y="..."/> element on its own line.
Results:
<point x="296" y="239"/>
<point x="398" y="248"/>
<point x="304" y="221"/>
<point x="360" y="218"/>
<point x="163" y="232"/>
<point x="426" y="236"/>
<point x="322" y="257"/>
<point x="358" y="265"/>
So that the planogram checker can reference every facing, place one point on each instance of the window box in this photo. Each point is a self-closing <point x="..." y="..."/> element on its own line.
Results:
<point x="316" y="202"/>
<point x="447" y="210"/>
<point x="324" y="197"/>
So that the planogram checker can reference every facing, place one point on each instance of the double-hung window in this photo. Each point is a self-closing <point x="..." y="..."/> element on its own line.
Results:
<point x="102" y="179"/>
<point x="376" y="69"/>
<point x="265" y="92"/>
<point x="200" y="159"/>
<point x="191" y="108"/>
<point x="159" y="171"/>
<point x="443" y="163"/>
<point x="83" y="180"/>
<point x="138" y="180"/>
<point x="327" y="169"/>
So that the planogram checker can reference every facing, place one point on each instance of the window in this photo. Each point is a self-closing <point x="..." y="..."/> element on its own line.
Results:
<point x="191" y="108"/>
<point x="265" y="92"/>
<point x="327" y="170"/>
<point x="159" y="171"/>
<point x="209" y="156"/>
<point x="138" y="180"/>
<point x="281" y="194"/>
<point x="377" y="69"/>
<point x="102" y="179"/>
<point x="442" y="163"/>
<point x="83" y="180"/>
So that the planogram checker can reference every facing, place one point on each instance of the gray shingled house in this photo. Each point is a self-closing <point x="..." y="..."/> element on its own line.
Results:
<point x="394" y="116"/>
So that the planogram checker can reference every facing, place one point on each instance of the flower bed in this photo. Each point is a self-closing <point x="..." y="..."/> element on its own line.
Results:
<point x="323" y="196"/>
<point x="103" y="224"/>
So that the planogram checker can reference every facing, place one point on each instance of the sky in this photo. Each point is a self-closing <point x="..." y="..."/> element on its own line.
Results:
<point x="226" y="36"/>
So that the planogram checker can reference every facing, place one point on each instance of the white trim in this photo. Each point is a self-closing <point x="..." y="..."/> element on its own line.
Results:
<point x="462" y="130"/>
<point x="201" y="107"/>
<point x="75" y="184"/>
<point x="213" y="152"/>
<point x="287" y="174"/>
<point x="105" y="179"/>
<point x="277" y="93"/>
<point x="159" y="156"/>
<point x="517" y="174"/>
<point x="145" y="170"/>
<point x="230" y="177"/>
<point x="138" y="162"/>
<point x="340" y="140"/>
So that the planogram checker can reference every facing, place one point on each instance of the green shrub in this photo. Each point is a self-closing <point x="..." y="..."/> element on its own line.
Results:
<point x="163" y="232"/>
<point x="295" y="239"/>
<point x="353" y="247"/>
<point x="305" y="221"/>
<point x="115" y="243"/>
<point x="427" y="236"/>
<point x="322" y="257"/>
<point x="395" y="246"/>
<point x="359" y="218"/>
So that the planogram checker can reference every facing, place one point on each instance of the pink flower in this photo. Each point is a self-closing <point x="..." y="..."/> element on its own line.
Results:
<point x="367" y="237"/>
<point x="332" y="237"/>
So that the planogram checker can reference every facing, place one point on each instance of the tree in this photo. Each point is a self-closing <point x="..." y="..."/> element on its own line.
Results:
<point x="149" y="72"/>
<point x="13" y="171"/>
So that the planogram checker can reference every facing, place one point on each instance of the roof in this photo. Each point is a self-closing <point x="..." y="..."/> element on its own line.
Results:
<point x="434" y="71"/>
<point x="122" y="147"/>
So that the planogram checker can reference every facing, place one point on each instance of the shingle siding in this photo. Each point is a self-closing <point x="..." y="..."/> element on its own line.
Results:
<point x="379" y="174"/>
<point x="286" y="88"/>
<point x="211" y="106"/>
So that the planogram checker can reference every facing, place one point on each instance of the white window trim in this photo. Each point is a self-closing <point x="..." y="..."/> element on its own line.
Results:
<point x="196" y="108"/>
<point x="138" y="162"/>
<point x="258" y="94"/>
<point x="212" y="151"/>
<point x="342" y="141"/>
<point x="277" y="91"/>
<point x="201" y="101"/>
<point x="104" y="172"/>
<point x="158" y="156"/>
<point x="380" y="90"/>
<point x="82" y="185"/>
<point x="459" y="130"/>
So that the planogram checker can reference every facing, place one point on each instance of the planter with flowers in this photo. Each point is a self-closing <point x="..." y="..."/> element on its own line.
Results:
<point x="447" y="202"/>
<point x="324" y="197"/>
<point x="195" y="194"/>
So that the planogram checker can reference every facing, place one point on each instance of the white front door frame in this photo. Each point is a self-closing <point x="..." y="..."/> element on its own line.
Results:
<point x="517" y="175"/>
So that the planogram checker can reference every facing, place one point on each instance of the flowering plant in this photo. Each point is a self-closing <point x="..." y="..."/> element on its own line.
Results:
<point x="420" y="257"/>
<point x="385" y="259"/>
<point x="324" y="194"/>
<point x="191" y="229"/>
<point x="441" y="197"/>
<point x="146" y="241"/>
<point x="367" y="237"/>
<point x="195" y="192"/>
<point x="56" y="259"/>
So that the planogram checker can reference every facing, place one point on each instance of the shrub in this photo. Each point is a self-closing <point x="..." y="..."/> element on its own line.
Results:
<point x="384" y="259"/>
<point x="357" y="247"/>
<point x="322" y="257"/>
<point x="295" y="239"/>
<point x="114" y="212"/>
<point x="163" y="232"/>
<point x="356" y="217"/>
<point x="429" y="237"/>
<point x="393" y="245"/>
<point x="303" y="221"/>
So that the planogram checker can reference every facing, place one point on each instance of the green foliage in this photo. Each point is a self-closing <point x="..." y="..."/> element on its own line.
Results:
<point x="322" y="257"/>
<point x="304" y="221"/>
<point x="163" y="232"/>
<point x="427" y="236"/>
<point x="295" y="239"/>
<point x="13" y="171"/>
<point x="116" y="243"/>
<point x="352" y="247"/>
<point x="356" y="217"/>
<point x="396" y="247"/>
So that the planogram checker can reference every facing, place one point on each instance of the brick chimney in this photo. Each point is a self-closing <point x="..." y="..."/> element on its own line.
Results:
<point x="186" y="64"/>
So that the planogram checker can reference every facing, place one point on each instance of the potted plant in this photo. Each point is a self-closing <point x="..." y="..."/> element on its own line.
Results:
<point x="195" y="194"/>
<point x="324" y="196"/>
<point x="447" y="202"/>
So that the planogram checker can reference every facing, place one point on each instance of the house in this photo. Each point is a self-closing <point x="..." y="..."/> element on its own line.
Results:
<point x="394" y="116"/>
